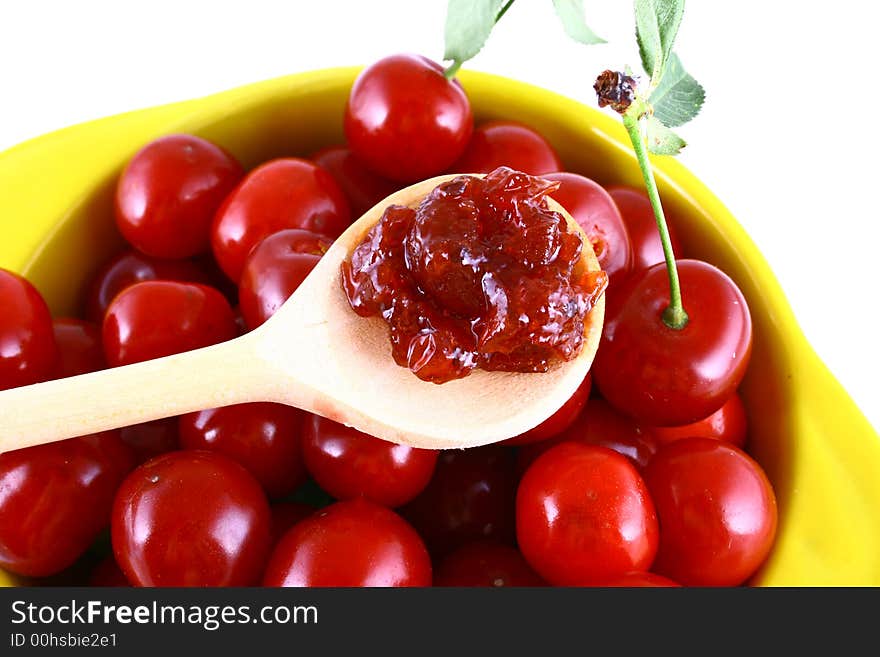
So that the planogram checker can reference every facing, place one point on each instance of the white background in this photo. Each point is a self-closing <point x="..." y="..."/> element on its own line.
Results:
<point x="788" y="137"/>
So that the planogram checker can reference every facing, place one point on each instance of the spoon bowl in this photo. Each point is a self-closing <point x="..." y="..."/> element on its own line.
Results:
<point x="316" y="354"/>
<point x="352" y="378"/>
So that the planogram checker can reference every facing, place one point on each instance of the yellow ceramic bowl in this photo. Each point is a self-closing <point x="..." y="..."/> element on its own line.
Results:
<point x="820" y="453"/>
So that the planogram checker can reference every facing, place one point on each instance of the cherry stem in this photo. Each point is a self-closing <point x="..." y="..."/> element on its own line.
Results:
<point x="450" y="71"/>
<point x="503" y="10"/>
<point x="674" y="316"/>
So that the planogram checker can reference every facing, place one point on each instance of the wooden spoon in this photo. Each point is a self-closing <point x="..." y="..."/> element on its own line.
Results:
<point x="315" y="353"/>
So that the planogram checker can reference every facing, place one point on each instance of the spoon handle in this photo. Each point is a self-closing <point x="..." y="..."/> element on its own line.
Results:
<point x="219" y="375"/>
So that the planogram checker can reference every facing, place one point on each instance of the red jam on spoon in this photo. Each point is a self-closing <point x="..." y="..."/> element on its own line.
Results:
<point x="482" y="274"/>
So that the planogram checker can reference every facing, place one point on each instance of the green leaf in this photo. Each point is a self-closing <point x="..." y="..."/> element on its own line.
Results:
<point x="468" y="25"/>
<point x="661" y="140"/>
<point x="679" y="97"/>
<point x="657" y="24"/>
<point x="571" y="13"/>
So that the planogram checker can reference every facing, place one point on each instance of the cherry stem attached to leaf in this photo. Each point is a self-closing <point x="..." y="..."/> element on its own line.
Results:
<point x="619" y="92"/>
<point x="674" y="316"/>
<point x="450" y="71"/>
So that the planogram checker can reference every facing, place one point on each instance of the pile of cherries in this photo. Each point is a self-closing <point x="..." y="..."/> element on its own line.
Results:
<point x="642" y="482"/>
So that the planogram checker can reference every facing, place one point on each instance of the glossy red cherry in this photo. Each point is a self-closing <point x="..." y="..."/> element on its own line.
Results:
<point x="55" y="499"/>
<point x="717" y="510"/>
<point x="728" y="423"/>
<point x="485" y="563"/>
<point x="470" y="497"/>
<point x="666" y="377"/>
<point x="79" y="347"/>
<point x="150" y="439"/>
<point x="108" y="573"/>
<point x="191" y="518"/>
<point x="507" y="144"/>
<point x="641" y="226"/>
<point x="600" y="424"/>
<point x="285" y="193"/>
<point x="405" y="120"/>
<point x="351" y="543"/>
<point x="594" y="210"/>
<point x="273" y="271"/>
<point x="348" y="463"/>
<point x="560" y="420"/>
<point x="167" y="196"/>
<point x="361" y="187"/>
<point x="27" y="343"/>
<point x="130" y="267"/>
<point x="265" y="438"/>
<point x="583" y="515"/>
<point x="160" y="318"/>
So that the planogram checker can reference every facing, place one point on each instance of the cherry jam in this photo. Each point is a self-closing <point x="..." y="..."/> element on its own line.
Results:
<point x="481" y="274"/>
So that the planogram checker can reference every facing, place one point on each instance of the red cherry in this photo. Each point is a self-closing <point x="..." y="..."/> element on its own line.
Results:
<point x="273" y="271"/>
<point x="599" y="424"/>
<point x="594" y="210"/>
<point x="507" y="143"/>
<point x="285" y="515"/>
<point x="641" y="226"/>
<point x="405" y="120"/>
<point x="728" y="423"/>
<point x="131" y="267"/>
<point x="191" y="519"/>
<point x="663" y="376"/>
<point x="351" y="543"/>
<point x="27" y="344"/>
<point x="640" y="580"/>
<point x="717" y="510"/>
<point x="348" y="463"/>
<point x="583" y="515"/>
<point x="485" y="563"/>
<point x="470" y="497"/>
<point x="285" y="193"/>
<point x="160" y="318"/>
<point x="264" y="438"/>
<point x="150" y="439"/>
<point x="560" y="420"/>
<point x="362" y="187"/>
<point x="79" y="347"/>
<point x="168" y="193"/>
<point x="108" y="573"/>
<point x="55" y="499"/>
